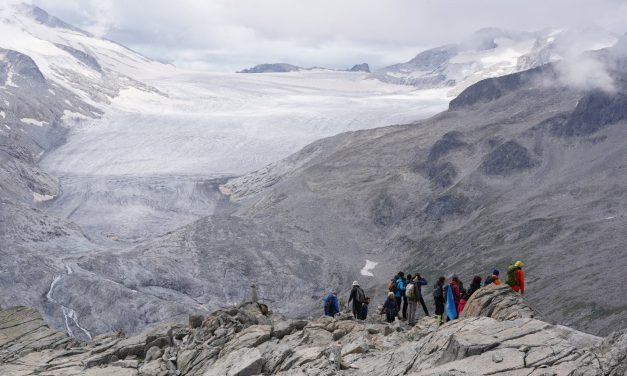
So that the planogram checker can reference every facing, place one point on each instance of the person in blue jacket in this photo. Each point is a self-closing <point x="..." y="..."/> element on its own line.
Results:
<point x="399" y="294"/>
<point x="331" y="304"/>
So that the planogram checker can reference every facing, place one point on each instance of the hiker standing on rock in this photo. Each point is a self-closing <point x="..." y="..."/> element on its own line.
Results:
<point x="357" y="297"/>
<point x="453" y="296"/>
<point x="516" y="277"/>
<point x="399" y="294"/>
<point x="419" y="281"/>
<point x="412" y="300"/>
<point x="438" y="298"/>
<point x="331" y="304"/>
<point x="474" y="286"/>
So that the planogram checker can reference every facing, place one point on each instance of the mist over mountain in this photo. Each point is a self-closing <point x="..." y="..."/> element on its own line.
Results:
<point x="133" y="192"/>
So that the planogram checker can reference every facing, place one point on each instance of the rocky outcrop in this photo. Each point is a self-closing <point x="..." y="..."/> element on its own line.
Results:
<point x="496" y="335"/>
<point x="497" y="302"/>
<point x="23" y="331"/>
<point x="363" y="67"/>
<point x="271" y="68"/>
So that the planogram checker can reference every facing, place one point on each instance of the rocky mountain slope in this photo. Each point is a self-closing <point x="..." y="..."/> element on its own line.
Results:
<point x="492" y="52"/>
<point x="525" y="166"/>
<point x="497" y="335"/>
<point x="520" y="167"/>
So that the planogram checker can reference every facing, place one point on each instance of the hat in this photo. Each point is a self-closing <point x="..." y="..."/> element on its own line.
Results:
<point x="355" y="283"/>
<point x="519" y="264"/>
<point x="495" y="272"/>
<point x="390" y="294"/>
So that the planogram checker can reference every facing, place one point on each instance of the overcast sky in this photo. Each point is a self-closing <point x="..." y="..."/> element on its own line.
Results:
<point x="228" y="35"/>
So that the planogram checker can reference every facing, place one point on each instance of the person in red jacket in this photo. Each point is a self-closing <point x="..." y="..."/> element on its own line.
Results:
<point x="519" y="284"/>
<point x="457" y="295"/>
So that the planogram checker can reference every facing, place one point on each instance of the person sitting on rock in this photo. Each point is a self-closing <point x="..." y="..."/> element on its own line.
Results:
<point x="495" y="277"/>
<point x="390" y="308"/>
<point x="331" y="304"/>
<point x="357" y="297"/>
<point x="438" y="298"/>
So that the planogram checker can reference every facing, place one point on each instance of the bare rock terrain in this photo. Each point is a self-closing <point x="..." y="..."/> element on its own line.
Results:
<point x="498" y="339"/>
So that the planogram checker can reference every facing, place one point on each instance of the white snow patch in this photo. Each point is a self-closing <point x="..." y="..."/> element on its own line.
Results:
<point x="36" y="122"/>
<point x="367" y="270"/>
<point x="69" y="269"/>
<point x="9" y="81"/>
<point x="41" y="198"/>
<point x="52" y="92"/>
<point x="7" y="127"/>
<point x="3" y="114"/>
<point x="71" y="115"/>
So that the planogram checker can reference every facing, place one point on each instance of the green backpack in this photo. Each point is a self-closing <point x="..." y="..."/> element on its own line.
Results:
<point x="511" y="275"/>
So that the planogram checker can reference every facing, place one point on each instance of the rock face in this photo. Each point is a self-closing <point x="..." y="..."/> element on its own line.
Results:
<point x="497" y="302"/>
<point x="272" y="68"/>
<point x="363" y="67"/>
<point x="241" y="341"/>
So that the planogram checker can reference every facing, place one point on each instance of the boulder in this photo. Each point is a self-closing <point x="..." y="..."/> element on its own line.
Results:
<point x="285" y="326"/>
<point x="497" y="302"/>
<point x="241" y="362"/>
<point x="153" y="353"/>
<point x="250" y="337"/>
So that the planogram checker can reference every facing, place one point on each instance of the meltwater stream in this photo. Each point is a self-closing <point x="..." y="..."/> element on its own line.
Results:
<point x="69" y="315"/>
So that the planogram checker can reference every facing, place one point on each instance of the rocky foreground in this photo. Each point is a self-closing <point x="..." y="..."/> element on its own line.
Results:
<point x="497" y="335"/>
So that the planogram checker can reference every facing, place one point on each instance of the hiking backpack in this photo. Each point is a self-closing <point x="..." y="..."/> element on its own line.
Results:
<point x="410" y="291"/>
<point x="392" y="286"/>
<point x="511" y="275"/>
<point x="360" y="295"/>
<point x="328" y="305"/>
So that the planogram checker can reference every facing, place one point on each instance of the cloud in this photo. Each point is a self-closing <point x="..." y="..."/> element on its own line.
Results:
<point x="586" y="73"/>
<point x="231" y="35"/>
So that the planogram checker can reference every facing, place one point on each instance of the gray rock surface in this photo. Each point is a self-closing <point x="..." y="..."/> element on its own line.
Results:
<point x="236" y="341"/>
<point x="271" y="68"/>
<point x="363" y="67"/>
<point x="497" y="302"/>
<point x="510" y="188"/>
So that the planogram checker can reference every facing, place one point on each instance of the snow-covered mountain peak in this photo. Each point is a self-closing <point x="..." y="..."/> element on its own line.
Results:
<point x="492" y="52"/>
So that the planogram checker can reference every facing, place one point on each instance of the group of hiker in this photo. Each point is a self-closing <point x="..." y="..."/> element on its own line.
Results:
<point x="405" y="293"/>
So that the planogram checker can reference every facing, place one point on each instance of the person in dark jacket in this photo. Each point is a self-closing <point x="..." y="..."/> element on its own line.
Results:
<point x="331" y="304"/>
<point x="419" y="281"/>
<point x="357" y="297"/>
<point x="474" y="286"/>
<point x="438" y="298"/>
<point x="390" y="308"/>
